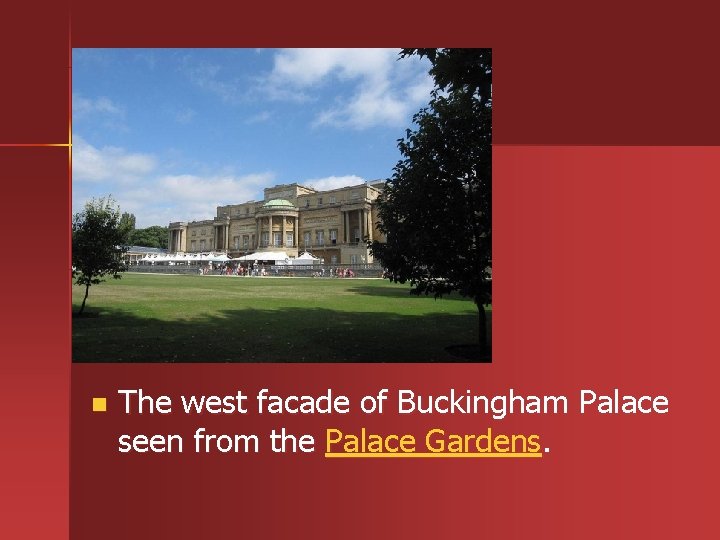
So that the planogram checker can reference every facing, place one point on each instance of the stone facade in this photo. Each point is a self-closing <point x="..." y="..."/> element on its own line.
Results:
<point x="332" y="225"/>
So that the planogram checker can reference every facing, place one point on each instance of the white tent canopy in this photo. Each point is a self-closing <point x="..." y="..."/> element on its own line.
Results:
<point x="304" y="259"/>
<point x="222" y="257"/>
<point x="185" y="258"/>
<point x="280" y="256"/>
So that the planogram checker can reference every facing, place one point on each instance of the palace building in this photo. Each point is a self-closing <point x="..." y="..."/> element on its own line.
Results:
<point x="333" y="225"/>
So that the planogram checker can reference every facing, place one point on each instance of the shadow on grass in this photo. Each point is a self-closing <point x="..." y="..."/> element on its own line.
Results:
<point x="257" y="335"/>
<point x="399" y="292"/>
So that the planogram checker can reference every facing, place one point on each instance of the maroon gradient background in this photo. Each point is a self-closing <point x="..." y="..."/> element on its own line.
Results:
<point x="606" y="275"/>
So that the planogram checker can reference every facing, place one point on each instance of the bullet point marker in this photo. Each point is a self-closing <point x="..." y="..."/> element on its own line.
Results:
<point x="99" y="404"/>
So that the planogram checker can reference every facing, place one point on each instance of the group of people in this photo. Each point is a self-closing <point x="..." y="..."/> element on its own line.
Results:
<point x="260" y="270"/>
<point x="227" y="269"/>
<point x="342" y="272"/>
<point x="335" y="272"/>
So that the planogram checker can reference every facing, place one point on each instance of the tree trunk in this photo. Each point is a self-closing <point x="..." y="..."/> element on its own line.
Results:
<point x="82" y="307"/>
<point x="482" y="327"/>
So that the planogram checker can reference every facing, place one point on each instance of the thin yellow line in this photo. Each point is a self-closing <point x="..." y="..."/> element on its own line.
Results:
<point x="433" y="455"/>
<point x="36" y="144"/>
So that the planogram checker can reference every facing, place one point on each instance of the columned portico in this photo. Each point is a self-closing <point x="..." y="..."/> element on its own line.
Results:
<point x="177" y="236"/>
<point x="222" y="234"/>
<point x="277" y="212"/>
<point x="357" y="224"/>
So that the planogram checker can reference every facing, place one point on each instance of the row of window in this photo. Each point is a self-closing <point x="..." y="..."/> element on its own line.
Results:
<point x="319" y="238"/>
<point x="331" y="199"/>
<point x="246" y="241"/>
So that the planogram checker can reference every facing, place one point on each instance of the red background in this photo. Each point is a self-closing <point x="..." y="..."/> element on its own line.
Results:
<point x="605" y="276"/>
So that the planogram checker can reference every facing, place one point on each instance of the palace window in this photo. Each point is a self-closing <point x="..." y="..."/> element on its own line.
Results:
<point x="236" y="242"/>
<point x="192" y="245"/>
<point x="306" y="238"/>
<point x="289" y="239"/>
<point x="246" y="239"/>
<point x="277" y="239"/>
<point x="265" y="238"/>
<point x="320" y="237"/>
<point x="333" y="236"/>
<point x="319" y="201"/>
<point x="332" y="199"/>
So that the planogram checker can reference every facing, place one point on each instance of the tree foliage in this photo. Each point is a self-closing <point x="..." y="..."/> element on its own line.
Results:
<point x="127" y="222"/>
<point x="99" y="236"/>
<point x="154" y="237"/>
<point x="436" y="210"/>
<point x="466" y="71"/>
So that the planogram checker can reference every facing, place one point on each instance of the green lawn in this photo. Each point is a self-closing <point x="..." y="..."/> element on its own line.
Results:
<point x="190" y="318"/>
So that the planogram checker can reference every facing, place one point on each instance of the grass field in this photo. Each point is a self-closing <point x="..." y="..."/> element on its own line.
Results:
<point x="189" y="318"/>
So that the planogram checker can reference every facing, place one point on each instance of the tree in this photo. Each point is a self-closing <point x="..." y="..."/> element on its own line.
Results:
<point x="98" y="242"/>
<point x="154" y="236"/>
<point x="160" y="234"/>
<point x="127" y="222"/>
<point x="436" y="210"/>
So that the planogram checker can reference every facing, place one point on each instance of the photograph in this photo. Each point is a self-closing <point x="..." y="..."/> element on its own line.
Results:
<point x="282" y="205"/>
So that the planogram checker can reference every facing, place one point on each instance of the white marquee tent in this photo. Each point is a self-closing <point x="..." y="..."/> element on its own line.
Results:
<point x="278" y="257"/>
<point x="187" y="258"/>
<point x="304" y="259"/>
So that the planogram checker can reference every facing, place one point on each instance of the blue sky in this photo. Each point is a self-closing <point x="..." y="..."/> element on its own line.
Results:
<point x="172" y="133"/>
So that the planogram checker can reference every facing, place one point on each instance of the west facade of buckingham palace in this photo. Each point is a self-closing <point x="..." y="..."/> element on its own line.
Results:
<point x="333" y="225"/>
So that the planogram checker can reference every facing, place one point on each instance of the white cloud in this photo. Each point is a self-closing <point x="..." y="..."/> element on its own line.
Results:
<point x="334" y="182"/>
<point x="383" y="90"/>
<point x="371" y="106"/>
<point x="208" y="77"/>
<point x="387" y="91"/>
<point x="188" y="197"/>
<point x="83" y="106"/>
<point x="101" y="111"/>
<point x="138" y="185"/>
<point x="91" y="164"/>
<point x="419" y="92"/>
<point x="221" y="189"/>
<point x="305" y="67"/>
